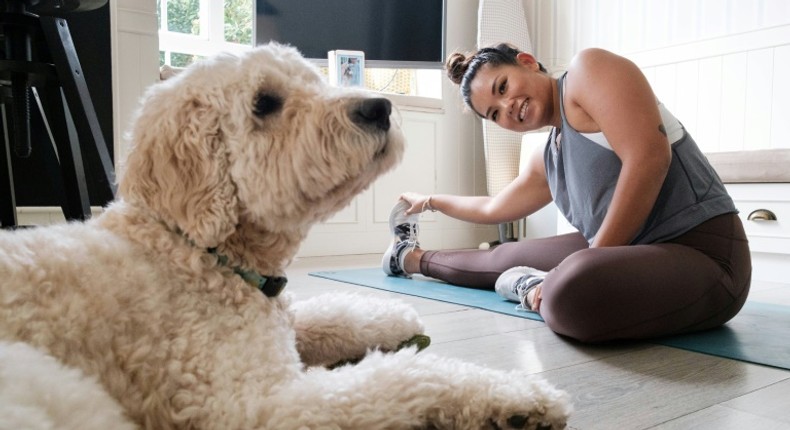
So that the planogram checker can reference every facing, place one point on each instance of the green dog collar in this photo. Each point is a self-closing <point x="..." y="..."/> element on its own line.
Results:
<point x="271" y="286"/>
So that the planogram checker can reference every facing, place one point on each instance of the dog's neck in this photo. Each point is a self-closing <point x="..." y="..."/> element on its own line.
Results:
<point x="252" y="252"/>
<point x="264" y="251"/>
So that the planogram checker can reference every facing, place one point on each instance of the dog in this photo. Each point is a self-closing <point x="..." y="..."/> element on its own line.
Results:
<point x="169" y="303"/>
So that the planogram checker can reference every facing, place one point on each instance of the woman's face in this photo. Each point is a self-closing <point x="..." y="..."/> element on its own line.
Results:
<point x="516" y="97"/>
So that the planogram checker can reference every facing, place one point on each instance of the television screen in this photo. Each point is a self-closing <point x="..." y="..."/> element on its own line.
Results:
<point x="391" y="33"/>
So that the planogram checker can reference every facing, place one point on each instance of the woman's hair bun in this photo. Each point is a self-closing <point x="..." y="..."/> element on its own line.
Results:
<point x="456" y="66"/>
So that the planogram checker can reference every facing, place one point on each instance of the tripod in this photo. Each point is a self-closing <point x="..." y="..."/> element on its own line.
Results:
<point x="40" y="70"/>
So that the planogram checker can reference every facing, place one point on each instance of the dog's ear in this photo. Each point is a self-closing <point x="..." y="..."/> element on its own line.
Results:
<point x="178" y="166"/>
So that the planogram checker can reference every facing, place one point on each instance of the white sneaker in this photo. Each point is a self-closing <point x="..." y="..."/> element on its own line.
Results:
<point x="404" y="230"/>
<point x="514" y="284"/>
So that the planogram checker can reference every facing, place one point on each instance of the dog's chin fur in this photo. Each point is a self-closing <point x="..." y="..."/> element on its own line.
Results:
<point x="242" y="154"/>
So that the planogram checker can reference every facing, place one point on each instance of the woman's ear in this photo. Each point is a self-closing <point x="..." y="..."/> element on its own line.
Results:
<point x="528" y="60"/>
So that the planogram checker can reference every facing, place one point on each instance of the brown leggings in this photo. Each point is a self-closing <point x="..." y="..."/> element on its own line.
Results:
<point x="693" y="282"/>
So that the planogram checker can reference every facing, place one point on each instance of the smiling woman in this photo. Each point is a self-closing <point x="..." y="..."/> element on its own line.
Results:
<point x="659" y="248"/>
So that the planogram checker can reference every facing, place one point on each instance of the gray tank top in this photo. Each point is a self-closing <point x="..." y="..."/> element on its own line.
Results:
<point x="582" y="176"/>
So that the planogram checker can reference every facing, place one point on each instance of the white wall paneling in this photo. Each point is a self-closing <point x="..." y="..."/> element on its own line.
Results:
<point x="759" y="89"/>
<point x="135" y="60"/>
<point x="362" y="227"/>
<point x="780" y="110"/>
<point x="719" y="66"/>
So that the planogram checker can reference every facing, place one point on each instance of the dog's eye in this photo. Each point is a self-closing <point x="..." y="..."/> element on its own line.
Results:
<point x="266" y="104"/>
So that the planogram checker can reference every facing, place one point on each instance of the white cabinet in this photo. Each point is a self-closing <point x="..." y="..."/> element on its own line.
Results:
<point x="769" y="239"/>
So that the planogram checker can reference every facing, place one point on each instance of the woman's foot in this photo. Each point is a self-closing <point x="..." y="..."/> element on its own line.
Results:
<point x="404" y="230"/>
<point x="522" y="285"/>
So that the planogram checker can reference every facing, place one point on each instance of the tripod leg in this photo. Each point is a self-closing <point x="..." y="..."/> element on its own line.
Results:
<point x="65" y="144"/>
<point x="21" y="108"/>
<point x="64" y="55"/>
<point x="7" y="205"/>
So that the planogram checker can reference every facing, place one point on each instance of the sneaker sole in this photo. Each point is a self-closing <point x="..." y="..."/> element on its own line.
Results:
<point x="385" y="260"/>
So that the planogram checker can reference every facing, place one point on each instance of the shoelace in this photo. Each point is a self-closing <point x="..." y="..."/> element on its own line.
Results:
<point x="522" y="287"/>
<point x="408" y="232"/>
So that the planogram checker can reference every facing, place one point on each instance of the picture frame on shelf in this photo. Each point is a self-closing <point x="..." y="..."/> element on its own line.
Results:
<point x="346" y="68"/>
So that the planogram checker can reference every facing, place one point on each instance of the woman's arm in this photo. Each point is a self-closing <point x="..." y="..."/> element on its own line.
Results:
<point x="609" y="92"/>
<point x="522" y="197"/>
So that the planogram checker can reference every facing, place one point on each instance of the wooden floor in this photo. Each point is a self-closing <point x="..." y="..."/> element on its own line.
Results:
<point x="633" y="386"/>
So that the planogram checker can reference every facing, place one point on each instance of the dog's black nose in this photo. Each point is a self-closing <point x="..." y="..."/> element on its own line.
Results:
<point x="373" y="112"/>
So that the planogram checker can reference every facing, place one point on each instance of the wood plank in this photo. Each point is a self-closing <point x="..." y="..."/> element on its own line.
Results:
<point x="471" y="323"/>
<point x="535" y="350"/>
<point x="770" y="402"/>
<point x="722" y="418"/>
<point x="651" y="386"/>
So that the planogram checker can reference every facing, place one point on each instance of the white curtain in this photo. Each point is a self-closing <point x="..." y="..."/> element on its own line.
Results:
<point x="501" y="21"/>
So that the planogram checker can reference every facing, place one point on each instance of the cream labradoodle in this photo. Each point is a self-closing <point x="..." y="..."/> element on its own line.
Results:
<point x="165" y="312"/>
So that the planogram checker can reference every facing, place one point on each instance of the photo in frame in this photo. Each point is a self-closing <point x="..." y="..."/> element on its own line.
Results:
<point x="346" y="68"/>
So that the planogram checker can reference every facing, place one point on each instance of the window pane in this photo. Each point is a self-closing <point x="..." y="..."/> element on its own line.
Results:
<point x="398" y="81"/>
<point x="178" y="59"/>
<point x="238" y="21"/>
<point x="183" y="16"/>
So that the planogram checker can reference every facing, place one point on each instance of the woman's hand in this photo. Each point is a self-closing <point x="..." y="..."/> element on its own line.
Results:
<point x="417" y="202"/>
<point x="534" y="298"/>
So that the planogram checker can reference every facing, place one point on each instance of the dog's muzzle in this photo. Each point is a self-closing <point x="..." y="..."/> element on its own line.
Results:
<point x="373" y="113"/>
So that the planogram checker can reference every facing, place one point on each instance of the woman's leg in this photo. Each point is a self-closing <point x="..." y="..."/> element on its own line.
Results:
<point x="697" y="281"/>
<point x="481" y="268"/>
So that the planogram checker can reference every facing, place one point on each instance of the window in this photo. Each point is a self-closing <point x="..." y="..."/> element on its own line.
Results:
<point x="193" y="29"/>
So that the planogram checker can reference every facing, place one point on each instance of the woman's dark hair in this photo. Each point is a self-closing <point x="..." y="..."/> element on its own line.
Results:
<point x="462" y="68"/>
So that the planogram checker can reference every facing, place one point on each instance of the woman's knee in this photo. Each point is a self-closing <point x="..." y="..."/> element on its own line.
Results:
<point x="571" y="297"/>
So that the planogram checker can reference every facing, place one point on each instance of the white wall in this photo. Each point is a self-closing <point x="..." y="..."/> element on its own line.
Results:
<point x="719" y="66"/>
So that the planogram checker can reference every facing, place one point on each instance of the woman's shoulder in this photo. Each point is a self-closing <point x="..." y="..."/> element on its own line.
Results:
<point x="591" y="60"/>
<point x="597" y="85"/>
<point x="598" y="70"/>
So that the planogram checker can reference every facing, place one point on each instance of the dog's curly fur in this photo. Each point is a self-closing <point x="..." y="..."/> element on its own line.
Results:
<point x="241" y="154"/>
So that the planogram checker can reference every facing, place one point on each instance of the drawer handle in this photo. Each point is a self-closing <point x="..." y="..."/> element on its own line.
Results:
<point x="761" y="215"/>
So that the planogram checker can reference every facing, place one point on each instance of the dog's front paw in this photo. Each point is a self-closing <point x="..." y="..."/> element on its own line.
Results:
<point x="495" y="399"/>
<point x="524" y="422"/>
<point x="334" y="329"/>
<point x="537" y="406"/>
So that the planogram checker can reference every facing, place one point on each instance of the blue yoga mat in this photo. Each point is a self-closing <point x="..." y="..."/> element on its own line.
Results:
<point x="429" y="289"/>
<point x="759" y="334"/>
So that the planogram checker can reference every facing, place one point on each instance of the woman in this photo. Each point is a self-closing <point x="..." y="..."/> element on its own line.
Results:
<point x="660" y="248"/>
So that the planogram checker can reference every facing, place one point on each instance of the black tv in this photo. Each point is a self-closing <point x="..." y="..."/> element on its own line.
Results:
<point x="391" y="33"/>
